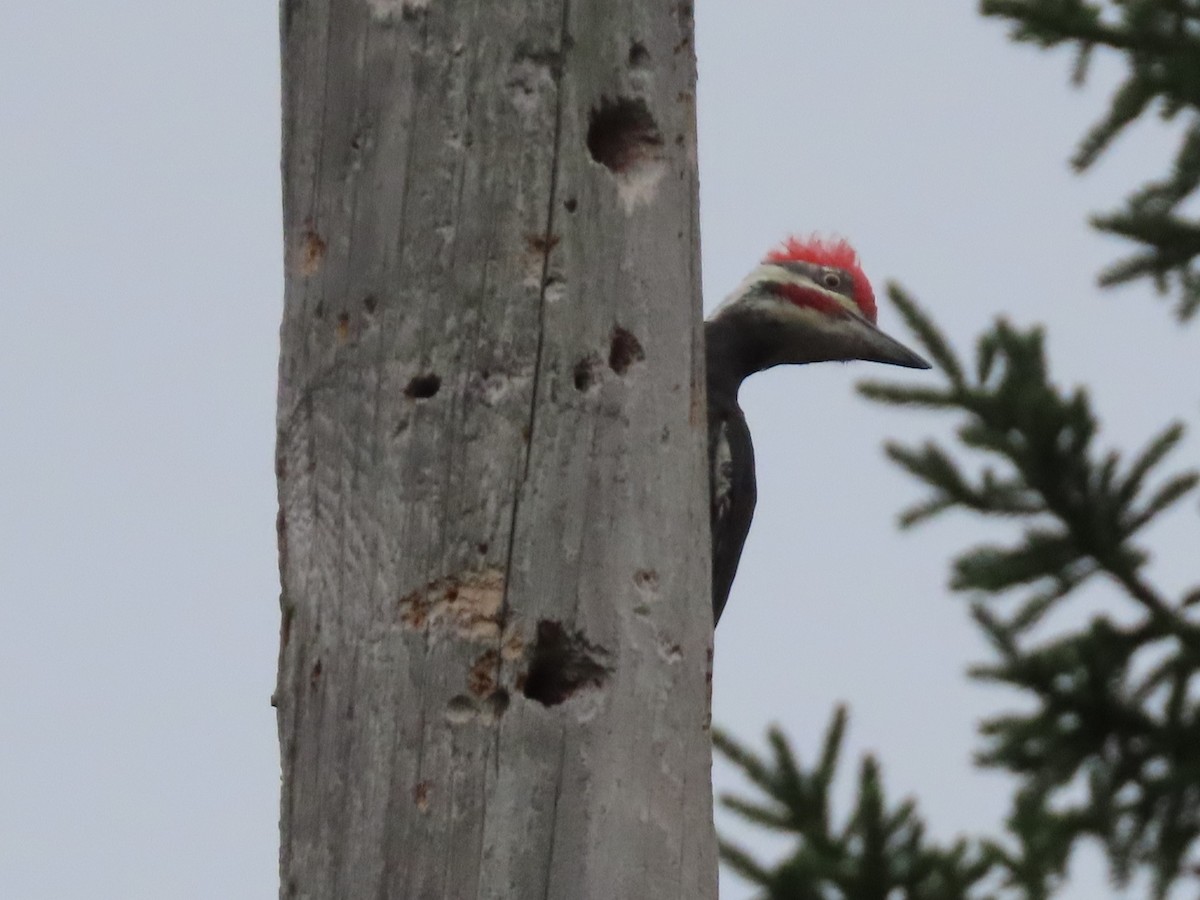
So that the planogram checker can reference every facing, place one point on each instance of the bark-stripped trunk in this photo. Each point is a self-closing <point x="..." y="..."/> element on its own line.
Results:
<point x="493" y="519"/>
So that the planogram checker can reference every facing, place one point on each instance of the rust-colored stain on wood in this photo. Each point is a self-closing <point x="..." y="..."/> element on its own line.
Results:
<point x="468" y="605"/>
<point x="513" y="647"/>
<point x="542" y="244"/>
<point x="481" y="680"/>
<point x="421" y="796"/>
<point x="312" y="252"/>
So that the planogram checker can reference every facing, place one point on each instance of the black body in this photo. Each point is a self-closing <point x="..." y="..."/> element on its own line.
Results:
<point x="732" y="489"/>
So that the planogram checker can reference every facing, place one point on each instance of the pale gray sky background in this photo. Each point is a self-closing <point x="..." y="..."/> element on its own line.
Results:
<point x="140" y="282"/>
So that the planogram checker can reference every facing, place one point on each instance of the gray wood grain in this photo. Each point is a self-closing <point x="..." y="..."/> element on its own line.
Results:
<point x="493" y="528"/>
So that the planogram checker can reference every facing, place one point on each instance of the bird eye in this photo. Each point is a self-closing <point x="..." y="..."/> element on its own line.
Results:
<point x="831" y="280"/>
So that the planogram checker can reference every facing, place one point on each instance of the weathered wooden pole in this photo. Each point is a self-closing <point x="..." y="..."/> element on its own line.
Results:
<point x="493" y="524"/>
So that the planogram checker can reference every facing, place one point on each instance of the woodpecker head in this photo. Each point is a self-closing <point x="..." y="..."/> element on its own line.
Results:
<point x="808" y="301"/>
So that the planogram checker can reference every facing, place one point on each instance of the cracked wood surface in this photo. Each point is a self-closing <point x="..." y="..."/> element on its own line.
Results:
<point x="493" y="526"/>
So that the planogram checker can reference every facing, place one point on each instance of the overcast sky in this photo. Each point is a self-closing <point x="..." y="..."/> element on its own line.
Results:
<point x="141" y="286"/>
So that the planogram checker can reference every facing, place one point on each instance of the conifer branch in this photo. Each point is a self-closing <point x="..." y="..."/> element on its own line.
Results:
<point x="1102" y="717"/>
<point x="1161" y="43"/>
<point x="879" y="851"/>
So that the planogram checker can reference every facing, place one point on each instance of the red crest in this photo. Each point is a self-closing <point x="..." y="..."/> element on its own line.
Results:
<point x="833" y="252"/>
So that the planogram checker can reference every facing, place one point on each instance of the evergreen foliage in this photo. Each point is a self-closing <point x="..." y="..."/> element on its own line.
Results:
<point x="878" y="850"/>
<point x="1111" y="747"/>
<point x="1160" y="41"/>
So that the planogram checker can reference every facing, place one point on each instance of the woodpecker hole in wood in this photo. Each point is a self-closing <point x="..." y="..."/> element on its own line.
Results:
<point x="554" y="289"/>
<point x="646" y="581"/>
<point x="623" y="136"/>
<point x="584" y="373"/>
<point x="422" y="387"/>
<point x="639" y="56"/>
<point x="562" y="664"/>
<point x="570" y="204"/>
<point x="670" y="653"/>
<point x="370" y="304"/>
<point x="461" y="709"/>
<point x="496" y="705"/>
<point x="624" y="350"/>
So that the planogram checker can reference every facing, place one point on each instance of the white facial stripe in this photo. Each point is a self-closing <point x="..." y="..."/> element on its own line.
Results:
<point x="782" y="312"/>
<point x="775" y="274"/>
<point x="787" y="276"/>
<point x="765" y="272"/>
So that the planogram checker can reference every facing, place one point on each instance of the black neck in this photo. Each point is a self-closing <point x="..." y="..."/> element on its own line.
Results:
<point x="733" y="354"/>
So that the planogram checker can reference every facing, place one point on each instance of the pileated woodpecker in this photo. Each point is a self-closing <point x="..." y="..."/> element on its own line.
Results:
<point x="808" y="301"/>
